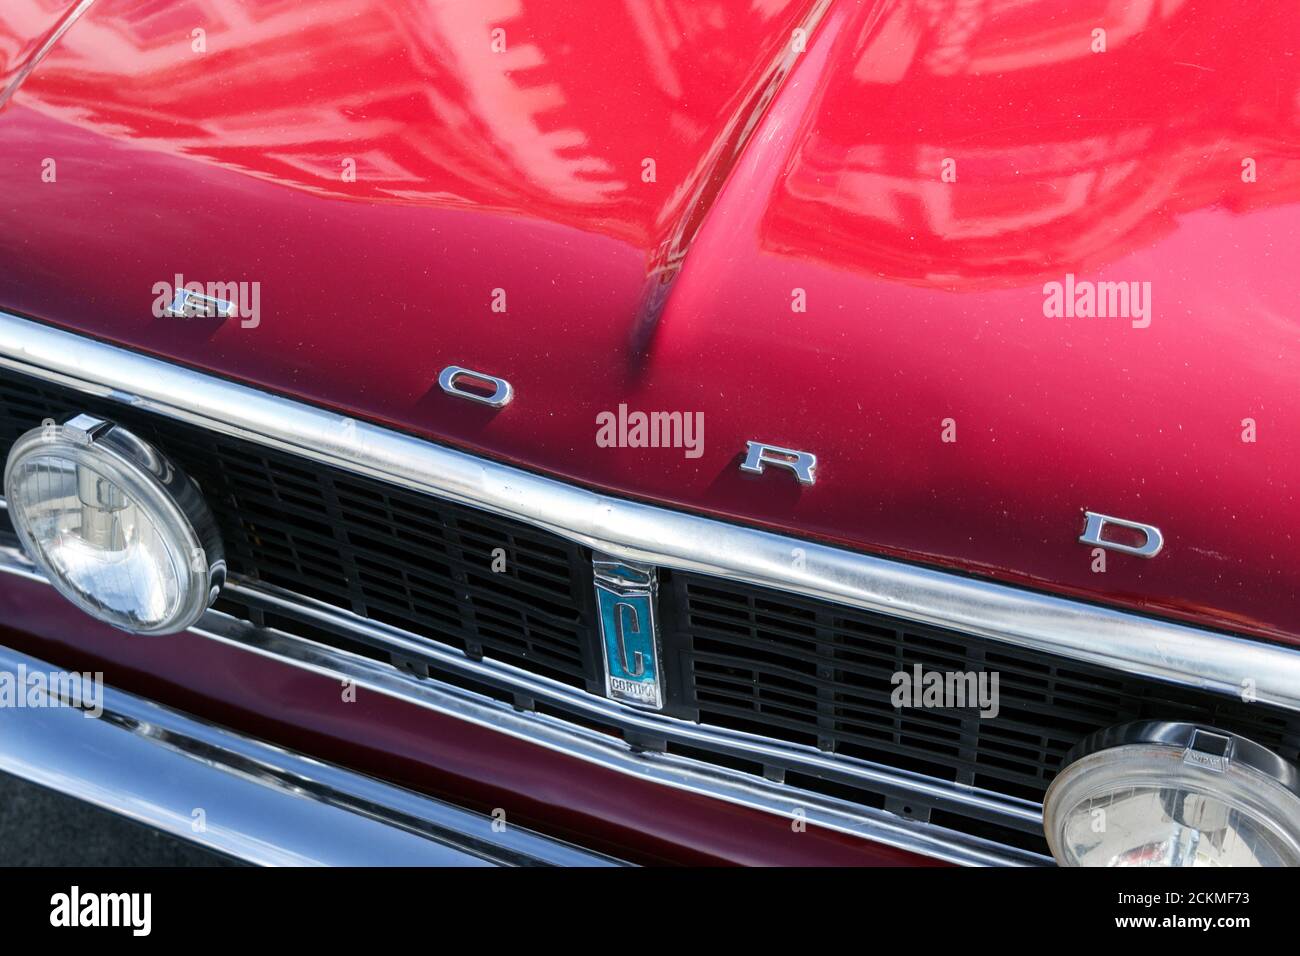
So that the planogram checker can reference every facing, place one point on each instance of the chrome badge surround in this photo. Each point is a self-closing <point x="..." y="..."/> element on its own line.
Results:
<point x="626" y="596"/>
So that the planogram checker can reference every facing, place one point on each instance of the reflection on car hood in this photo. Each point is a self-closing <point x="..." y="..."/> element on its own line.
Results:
<point x="877" y="232"/>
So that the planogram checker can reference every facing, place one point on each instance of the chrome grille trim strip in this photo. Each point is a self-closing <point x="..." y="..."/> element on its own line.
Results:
<point x="561" y="696"/>
<point x="634" y="531"/>
<point x="749" y="790"/>
<point x="574" y="740"/>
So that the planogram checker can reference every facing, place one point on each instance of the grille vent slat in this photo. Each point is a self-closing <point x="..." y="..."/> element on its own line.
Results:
<point x="410" y="560"/>
<point x="752" y="673"/>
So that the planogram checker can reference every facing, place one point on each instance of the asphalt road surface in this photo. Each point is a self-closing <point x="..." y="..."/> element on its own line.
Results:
<point x="39" y="827"/>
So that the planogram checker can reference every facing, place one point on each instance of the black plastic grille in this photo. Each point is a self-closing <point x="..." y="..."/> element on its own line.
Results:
<point x="736" y="656"/>
<point x="409" y="560"/>
<point x="817" y="674"/>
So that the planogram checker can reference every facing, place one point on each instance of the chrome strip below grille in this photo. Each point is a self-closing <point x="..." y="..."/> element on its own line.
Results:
<point x="270" y="806"/>
<point x="556" y="734"/>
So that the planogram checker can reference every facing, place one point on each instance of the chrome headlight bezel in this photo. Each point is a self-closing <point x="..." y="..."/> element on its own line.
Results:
<point x="168" y="499"/>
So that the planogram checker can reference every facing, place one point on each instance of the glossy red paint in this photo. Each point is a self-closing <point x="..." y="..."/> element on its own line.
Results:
<point x="523" y="171"/>
<point x="426" y="751"/>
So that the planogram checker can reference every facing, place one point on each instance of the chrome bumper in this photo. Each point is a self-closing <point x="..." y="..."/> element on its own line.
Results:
<point x="244" y="798"/>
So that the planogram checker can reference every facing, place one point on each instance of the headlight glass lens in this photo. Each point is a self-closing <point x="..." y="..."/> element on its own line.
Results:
<point x="98" y="539"/>
<point x="101" y="520"/>
<point x="1148" y="804"/>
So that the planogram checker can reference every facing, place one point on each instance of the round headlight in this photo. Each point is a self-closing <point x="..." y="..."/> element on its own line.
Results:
<point x="1156" y="793"/>
<point x="116" y="528"/>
